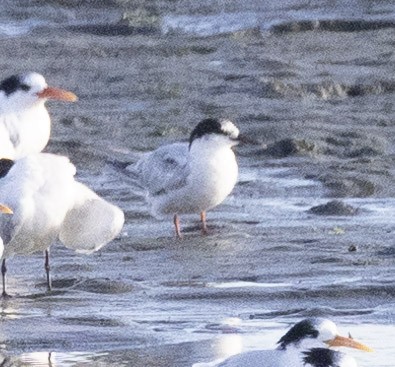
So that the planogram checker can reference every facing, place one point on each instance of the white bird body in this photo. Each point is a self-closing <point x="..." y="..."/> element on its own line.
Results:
<point x="48" y="203"/>
<point x="291" y="357"/>
<point x="184" y="178"/>
<point x="24" y="132"/>
<point x="186" y="181"/>
<point x="276" y="358"/>
<point x="39" y="189"/>
<point x="301" y="346"/>
<point x="265" y="358"/>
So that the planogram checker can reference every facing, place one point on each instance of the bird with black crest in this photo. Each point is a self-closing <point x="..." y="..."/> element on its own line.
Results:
<point x="292" y="347"/>
<point x="191" y="177"/>
<point x="25" y="124"/>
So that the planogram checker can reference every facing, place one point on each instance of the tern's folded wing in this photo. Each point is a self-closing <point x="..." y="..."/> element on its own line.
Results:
<point x="164" y="169"/>
<point x="258" y="358"/>
<point x="91" y="221"/>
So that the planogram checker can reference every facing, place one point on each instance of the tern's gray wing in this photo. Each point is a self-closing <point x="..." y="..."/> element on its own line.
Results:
<point x="257" y="358"/>
<point x="164" y="169"/>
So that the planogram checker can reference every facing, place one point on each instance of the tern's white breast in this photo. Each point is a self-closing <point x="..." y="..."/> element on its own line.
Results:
<point x="25" y="132"/>
<point x="212" y="173"/>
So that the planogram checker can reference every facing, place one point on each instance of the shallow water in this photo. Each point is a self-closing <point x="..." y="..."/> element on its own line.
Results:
<point x="319" y="75"/>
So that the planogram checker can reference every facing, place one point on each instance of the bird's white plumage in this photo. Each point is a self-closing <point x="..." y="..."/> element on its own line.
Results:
<point x="48" y="203"/>
<point x="185" y="180"/>
<point x="229" y="128"/>
<point x="327" y="330"/>
<point x="289" y="354"/>
<point x="267" y="358"/>
<point x="39" y="189"/>
<point x="19" y="136"/>
<point x="91" y="222"/>
<point x="24" y="121"/>
<point x="272" y="359"/>
<point x="346" y="361"/>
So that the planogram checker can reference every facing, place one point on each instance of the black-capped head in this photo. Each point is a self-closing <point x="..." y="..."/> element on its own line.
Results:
<point x="22" y="83"/>
<point x="317" y="332"/>
<point x="23" y="91"/>
<point x="304" y="329"/>
<point x="12" y="84"/>
<point x="213" y="126"/>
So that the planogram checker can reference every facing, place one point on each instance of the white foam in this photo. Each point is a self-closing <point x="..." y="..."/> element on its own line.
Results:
<point x="241" y="284"/>
<point x="209" y="24"/>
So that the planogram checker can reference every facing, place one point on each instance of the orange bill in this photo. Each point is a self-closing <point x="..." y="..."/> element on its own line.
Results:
<point x="57" y="93"/>
<point x="341" y="341"/>
<point x="5" y="209"/>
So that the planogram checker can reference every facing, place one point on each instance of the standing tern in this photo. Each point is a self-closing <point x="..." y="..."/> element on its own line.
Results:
<point x="187" y="178"/>
<point x="49" y="204"/>
<point x="303" y="336"/>
<point x="25" y="124"/>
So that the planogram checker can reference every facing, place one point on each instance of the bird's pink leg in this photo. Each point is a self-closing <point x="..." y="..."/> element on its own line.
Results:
<point x="176" y="221"/>
<point x="203" y="220"/>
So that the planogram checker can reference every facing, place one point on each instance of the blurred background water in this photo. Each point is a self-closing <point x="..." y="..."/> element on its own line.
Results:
<point x="314" y="81"/>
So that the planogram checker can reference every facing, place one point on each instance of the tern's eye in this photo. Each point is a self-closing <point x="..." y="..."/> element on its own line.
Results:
<point x="24" y="87"/>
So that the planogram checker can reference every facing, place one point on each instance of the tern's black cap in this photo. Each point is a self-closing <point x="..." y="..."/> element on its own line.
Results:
<point x="12" y="84"/>
<point x="214" y="126"/>
<point x="303" y="329"/>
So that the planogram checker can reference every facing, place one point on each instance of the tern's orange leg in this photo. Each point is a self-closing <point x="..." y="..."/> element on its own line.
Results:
<point x="176" y="221"/>
<point x="203" y="220"/>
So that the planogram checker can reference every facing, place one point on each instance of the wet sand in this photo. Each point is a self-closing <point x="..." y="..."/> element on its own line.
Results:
<point x="318" y="95"/>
